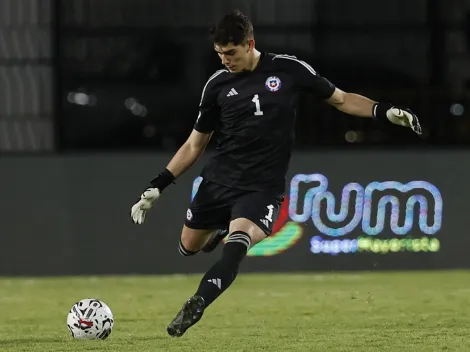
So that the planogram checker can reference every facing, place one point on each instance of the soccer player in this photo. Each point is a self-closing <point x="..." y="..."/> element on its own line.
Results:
<point x="252" y="104"/>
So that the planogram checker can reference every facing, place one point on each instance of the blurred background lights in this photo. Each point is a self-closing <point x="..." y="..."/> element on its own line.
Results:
<point x="80" y="98"/>
<point x="457" y="109"/>
<point x="135" y="107"/>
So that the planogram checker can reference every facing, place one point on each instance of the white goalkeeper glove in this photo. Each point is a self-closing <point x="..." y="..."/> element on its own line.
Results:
<point x="145" y="203"/>
<point x="401" y="117"/>
<point x="150" y="195"/>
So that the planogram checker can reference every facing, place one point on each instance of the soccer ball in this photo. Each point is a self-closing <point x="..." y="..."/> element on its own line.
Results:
<point x="90" y="319"/>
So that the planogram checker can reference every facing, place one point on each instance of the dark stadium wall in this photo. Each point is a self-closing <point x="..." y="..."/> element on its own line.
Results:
<point x="362" y="210"/>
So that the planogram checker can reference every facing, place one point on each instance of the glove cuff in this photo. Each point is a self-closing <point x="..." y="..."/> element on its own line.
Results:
<point x="163" y="180"/>
<point x="379" y="110"/>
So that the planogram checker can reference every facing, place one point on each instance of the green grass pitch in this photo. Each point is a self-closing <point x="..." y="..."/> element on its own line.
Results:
<point x="409" y="311"/>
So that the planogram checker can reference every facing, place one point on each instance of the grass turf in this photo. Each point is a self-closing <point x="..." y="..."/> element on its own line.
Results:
<point x="410" y="311"/>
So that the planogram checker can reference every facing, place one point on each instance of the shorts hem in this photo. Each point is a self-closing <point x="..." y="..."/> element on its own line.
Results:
<point x="266" y="231"/>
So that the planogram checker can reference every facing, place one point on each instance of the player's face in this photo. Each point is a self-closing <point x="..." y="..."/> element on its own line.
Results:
<point x="235" y="57"/>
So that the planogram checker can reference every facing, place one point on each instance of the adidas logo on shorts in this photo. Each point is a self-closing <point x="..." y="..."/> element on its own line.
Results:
<point x="264" y="222"/>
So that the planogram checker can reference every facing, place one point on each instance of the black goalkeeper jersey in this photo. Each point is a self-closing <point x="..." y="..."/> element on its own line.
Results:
<point x="254" y="114"/>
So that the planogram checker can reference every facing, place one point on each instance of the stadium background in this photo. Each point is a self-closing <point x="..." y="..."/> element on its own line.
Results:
<point x="96" y="96"/>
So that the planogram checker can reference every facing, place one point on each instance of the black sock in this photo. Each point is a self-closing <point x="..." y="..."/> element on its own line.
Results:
<point x="224" y="272"/>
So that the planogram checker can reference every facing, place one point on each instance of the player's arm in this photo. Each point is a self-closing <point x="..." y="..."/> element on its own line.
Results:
<point x="350" y="103"/>
<point x="189" y="152"/>
<point x="187" y="155"/>
<point x="192" y="149"/>
<point x="358" y="105"/>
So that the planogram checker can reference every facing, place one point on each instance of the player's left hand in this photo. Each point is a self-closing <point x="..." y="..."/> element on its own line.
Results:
<point x="144" y="204"/>
<point x="150" y="195"/>
<point x="404" y="117"/>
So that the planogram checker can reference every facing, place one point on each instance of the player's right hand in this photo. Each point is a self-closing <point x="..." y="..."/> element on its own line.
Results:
<point x="404" y="117"/>
<point x="144" y="204"/>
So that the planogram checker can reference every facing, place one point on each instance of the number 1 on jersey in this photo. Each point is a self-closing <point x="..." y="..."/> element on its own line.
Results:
<point x="258" y="106"/>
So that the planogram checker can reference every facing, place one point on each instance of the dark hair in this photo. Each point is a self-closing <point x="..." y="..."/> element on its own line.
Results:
<point x="234" y="28"/>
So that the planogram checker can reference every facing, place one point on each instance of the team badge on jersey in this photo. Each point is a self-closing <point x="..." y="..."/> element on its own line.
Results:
<point x="273" y="83"/>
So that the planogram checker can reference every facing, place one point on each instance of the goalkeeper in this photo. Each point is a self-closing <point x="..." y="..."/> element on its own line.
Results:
<point x="253" y="104"/>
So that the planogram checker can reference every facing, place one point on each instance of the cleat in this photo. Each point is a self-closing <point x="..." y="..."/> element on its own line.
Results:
<point x="189" y="315"/>
<point x="214" y="241"/>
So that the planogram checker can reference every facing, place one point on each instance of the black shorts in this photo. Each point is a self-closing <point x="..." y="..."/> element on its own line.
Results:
<point x="214" y="206"/>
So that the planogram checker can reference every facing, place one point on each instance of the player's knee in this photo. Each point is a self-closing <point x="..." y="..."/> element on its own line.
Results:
<point x="192" y="240"/>
<point x="190" y="243"/>
<point x="186" y="250"/>
<point x="255" y="233"/>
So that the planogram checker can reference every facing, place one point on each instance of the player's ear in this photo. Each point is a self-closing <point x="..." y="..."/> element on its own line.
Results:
<point x="251" y="44"/>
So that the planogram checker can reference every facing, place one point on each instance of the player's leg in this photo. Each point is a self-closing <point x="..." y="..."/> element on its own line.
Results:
<point x="253" y="218"/>
<point x="243" y="233"/>
<point x="214" y="240"/>
<point x="220" y="234"/>
<point x="247" y="228"/>
<point x="192" y="240"/>
<point x="208" y="212"/>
